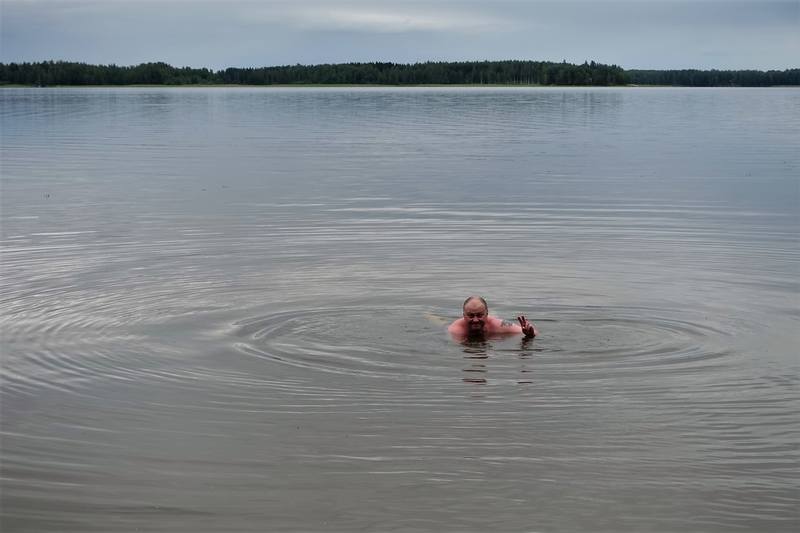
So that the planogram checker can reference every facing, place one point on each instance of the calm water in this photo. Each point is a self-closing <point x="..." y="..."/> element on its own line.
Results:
<point x="224" y="309"/>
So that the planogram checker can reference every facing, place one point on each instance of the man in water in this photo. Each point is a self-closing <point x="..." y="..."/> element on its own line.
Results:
<point x="477" y="322"/>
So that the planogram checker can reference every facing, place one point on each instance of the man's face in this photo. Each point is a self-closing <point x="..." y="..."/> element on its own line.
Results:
<point x="475" y="315"/>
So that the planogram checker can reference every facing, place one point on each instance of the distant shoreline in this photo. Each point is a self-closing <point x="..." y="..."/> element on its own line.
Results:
<point x="379" y="85"/>
<point x="510" y="73"/>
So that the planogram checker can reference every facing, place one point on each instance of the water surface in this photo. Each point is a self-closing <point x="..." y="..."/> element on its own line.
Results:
<point x="224" y="309"/>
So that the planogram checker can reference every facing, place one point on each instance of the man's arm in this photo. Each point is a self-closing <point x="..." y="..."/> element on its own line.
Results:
<point x="507" y="326"/>
<point x="521" y="326"/>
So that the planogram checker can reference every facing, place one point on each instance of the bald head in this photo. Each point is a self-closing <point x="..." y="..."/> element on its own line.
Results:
<point x="476" y="299"/>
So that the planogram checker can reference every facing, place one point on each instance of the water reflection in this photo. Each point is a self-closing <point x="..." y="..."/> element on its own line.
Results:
<point x="478" y="352"/>
<point x="525" y="355"/>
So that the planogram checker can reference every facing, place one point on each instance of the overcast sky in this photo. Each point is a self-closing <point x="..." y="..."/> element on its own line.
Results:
<point x="725" y="34"/>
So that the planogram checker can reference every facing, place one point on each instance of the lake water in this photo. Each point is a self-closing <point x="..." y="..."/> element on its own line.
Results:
<point x="225" y="309"/>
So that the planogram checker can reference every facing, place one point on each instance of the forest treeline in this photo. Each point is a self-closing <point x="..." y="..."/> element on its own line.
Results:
<point x="468" y="72"/>
<point x="483" y="72"/>
<point x="715" y="78"/>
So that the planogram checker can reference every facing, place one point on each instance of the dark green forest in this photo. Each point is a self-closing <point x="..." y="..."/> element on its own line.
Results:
<point x="48" y="73"/>
<point x="715" y="78"/>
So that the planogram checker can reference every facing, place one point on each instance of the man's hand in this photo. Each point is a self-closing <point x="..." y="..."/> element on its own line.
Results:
<point x="528" y="329"/>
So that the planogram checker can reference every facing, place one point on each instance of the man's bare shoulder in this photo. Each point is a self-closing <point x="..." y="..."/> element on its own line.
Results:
<point x="458" y="326"/>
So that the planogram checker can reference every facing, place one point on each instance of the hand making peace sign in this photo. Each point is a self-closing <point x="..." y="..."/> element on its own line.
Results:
<point x="528" y="329"/>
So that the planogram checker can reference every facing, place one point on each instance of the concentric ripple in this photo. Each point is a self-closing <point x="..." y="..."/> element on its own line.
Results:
<point x="410" y="342"/>
<point x="396" y="343"/>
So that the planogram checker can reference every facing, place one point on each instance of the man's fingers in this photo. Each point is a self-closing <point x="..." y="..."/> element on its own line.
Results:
<point x="527" y="328"/>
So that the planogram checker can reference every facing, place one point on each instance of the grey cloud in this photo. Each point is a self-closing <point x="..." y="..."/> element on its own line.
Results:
<point x="374" y="17"/>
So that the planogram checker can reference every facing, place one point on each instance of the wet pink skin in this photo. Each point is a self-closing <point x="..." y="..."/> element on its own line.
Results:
<point x="477" y="322"/>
